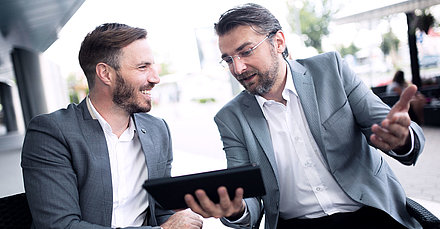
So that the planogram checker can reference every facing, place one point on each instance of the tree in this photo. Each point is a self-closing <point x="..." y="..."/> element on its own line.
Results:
<point x="390" y="46"/>
<point x="313" y="23"/>
<point x="389" y="43"/>
<point x="351" y="49"/>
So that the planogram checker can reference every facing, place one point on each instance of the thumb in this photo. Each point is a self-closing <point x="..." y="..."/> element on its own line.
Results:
<point x="403" y="104"/>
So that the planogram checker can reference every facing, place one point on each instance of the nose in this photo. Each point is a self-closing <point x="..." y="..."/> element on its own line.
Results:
<point x="238" y="65"/>
<point x="153" y="77"/>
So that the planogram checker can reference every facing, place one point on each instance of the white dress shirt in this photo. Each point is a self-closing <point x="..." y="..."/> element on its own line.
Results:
<point x="307" y="189"/>
<point x="129" y="171"/>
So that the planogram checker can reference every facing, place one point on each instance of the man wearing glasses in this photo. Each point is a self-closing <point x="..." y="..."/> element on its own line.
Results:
<point x="313" y="128"/>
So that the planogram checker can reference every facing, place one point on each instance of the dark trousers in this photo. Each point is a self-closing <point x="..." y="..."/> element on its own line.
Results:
<point x="364" y="218"/>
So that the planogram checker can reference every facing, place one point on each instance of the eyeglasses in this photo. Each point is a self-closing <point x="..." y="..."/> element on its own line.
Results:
<point x="227" y="61"/>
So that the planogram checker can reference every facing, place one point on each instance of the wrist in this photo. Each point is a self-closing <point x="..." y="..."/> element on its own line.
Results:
<point x="405" y="148"/>
<point x="239" y="214"/>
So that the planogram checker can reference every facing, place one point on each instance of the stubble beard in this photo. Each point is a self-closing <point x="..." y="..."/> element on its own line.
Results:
<point x="265" y="80"/>
<point x="124" y="96"/>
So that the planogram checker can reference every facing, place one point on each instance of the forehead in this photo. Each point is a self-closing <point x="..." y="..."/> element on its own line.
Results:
<point x="231" y="41"/>
<point x="136" y="52"/>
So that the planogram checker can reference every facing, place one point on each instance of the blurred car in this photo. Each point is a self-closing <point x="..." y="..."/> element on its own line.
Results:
<point x="429" y="61"/>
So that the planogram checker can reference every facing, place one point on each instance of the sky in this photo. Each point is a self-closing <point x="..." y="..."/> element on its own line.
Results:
<point x="171" y="26"/>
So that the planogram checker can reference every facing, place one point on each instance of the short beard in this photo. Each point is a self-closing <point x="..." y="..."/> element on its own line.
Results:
<point x="124" y="97"/>
<point x="266" y="80"/>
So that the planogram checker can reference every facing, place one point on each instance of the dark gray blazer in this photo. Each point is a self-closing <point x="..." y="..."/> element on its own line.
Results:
<point x="340" y="110"/>
<point x="66" y="168"/>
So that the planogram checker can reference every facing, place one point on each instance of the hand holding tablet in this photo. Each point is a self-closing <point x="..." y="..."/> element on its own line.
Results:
<point x="169" y="192"/>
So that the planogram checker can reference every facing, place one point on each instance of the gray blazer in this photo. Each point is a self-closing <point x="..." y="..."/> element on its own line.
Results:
<point x="340" y="110"/>
<point x="66" y="168"/>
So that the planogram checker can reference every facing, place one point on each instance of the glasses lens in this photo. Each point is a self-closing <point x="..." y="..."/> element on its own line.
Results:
<point x="225" y="62"/>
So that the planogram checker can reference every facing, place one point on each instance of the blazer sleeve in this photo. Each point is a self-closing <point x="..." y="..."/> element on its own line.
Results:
<point x="237" y="155"/>
<point x="369" y="109"/>
<point x="49" y="178"/>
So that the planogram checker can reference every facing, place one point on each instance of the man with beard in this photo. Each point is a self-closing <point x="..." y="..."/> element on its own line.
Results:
<point x="84" y="166"/>
<point x="313" y="128"/>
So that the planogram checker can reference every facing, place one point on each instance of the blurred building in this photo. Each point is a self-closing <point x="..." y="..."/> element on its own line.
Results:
<point x="418" y="44"/>
<point x="29" y="84"/>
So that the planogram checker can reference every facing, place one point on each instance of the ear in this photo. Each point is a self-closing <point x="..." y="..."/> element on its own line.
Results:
<point x="103" y="73"/>
<point x="280" y="41"/>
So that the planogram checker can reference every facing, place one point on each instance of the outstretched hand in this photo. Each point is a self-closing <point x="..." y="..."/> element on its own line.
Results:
<point x="225" y="208"/>
<point x="393" y="131"/>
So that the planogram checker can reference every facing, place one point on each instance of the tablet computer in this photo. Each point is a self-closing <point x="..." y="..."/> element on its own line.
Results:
<point x="169" y="192"/>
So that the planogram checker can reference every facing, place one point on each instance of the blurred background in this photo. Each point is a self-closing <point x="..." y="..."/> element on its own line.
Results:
<point x="40" y="73"/>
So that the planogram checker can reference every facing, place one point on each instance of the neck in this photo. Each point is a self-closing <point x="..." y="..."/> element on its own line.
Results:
<point x="276" y="92"/>
<point x="116" y="117"/>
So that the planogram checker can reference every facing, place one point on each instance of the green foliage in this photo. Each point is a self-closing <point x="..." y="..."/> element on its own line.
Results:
<point x="205" y="100"/>
<point x="313" y="23"/>
<point x="389" y="42"/>
<point x="165" y="68"/>
<point x="425" y="21"/>
<point x="77" y="88"/>
<point x="351" y="49"/>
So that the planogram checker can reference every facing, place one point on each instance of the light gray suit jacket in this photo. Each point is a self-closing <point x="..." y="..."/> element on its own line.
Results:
<point x="340" y="110"/>
<point x="66" y="168"/>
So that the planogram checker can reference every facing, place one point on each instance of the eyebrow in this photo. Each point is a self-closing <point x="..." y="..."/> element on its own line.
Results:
<point x="241" y="47"/>
<point x="145" y="63"/>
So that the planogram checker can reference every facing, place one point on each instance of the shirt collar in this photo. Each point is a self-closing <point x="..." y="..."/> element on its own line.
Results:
<point x="104" y="124"/>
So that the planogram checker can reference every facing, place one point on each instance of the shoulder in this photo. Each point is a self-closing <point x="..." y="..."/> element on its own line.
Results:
<point x="65" y="115"/>
<point x="242" y="99"/>
<point x="322" y="60"/>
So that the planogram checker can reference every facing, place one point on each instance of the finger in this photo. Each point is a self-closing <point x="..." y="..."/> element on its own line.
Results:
<point x="389" y="138"/>
<point x="397" y="126"/>
<point x="380" y="137"/>
<point x="198" y="222"/>
<point x="400" y="118"/>
<point x="408" y="94"/>
<point x="405" y="98"/>
<point x="195" y="207"/>
<point x="207" y="205"/>
<point x="203" y="198"/>
<point x="194" y="221"/>
<point x="378" y="143"/>
<point x="178" y="210"/>
<point x="238" y="197"/>
<point x="225" y="201"/>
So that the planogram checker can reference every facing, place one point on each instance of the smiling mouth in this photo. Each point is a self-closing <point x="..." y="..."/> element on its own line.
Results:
<point x="146" y="92"/>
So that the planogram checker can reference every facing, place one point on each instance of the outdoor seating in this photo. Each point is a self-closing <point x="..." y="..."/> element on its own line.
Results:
<point x="14" y="212"/>
<point x="422" y="215"/>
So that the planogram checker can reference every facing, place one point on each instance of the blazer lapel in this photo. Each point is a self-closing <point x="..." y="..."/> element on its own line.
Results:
<point x="95" y="138"/>
<point x="148" y="146"/>
<point x="306" y="92"/>
<point x="260" y="129"/>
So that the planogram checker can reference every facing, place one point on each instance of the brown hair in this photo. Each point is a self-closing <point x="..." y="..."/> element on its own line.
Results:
<point x="253" y="15"/>
<point x="104" y="45"/>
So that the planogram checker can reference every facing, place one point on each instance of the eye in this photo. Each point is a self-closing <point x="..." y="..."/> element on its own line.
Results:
<point x="246" y="53"/>
<point x="143" y="66"/>
<point x="228" y="59"/>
